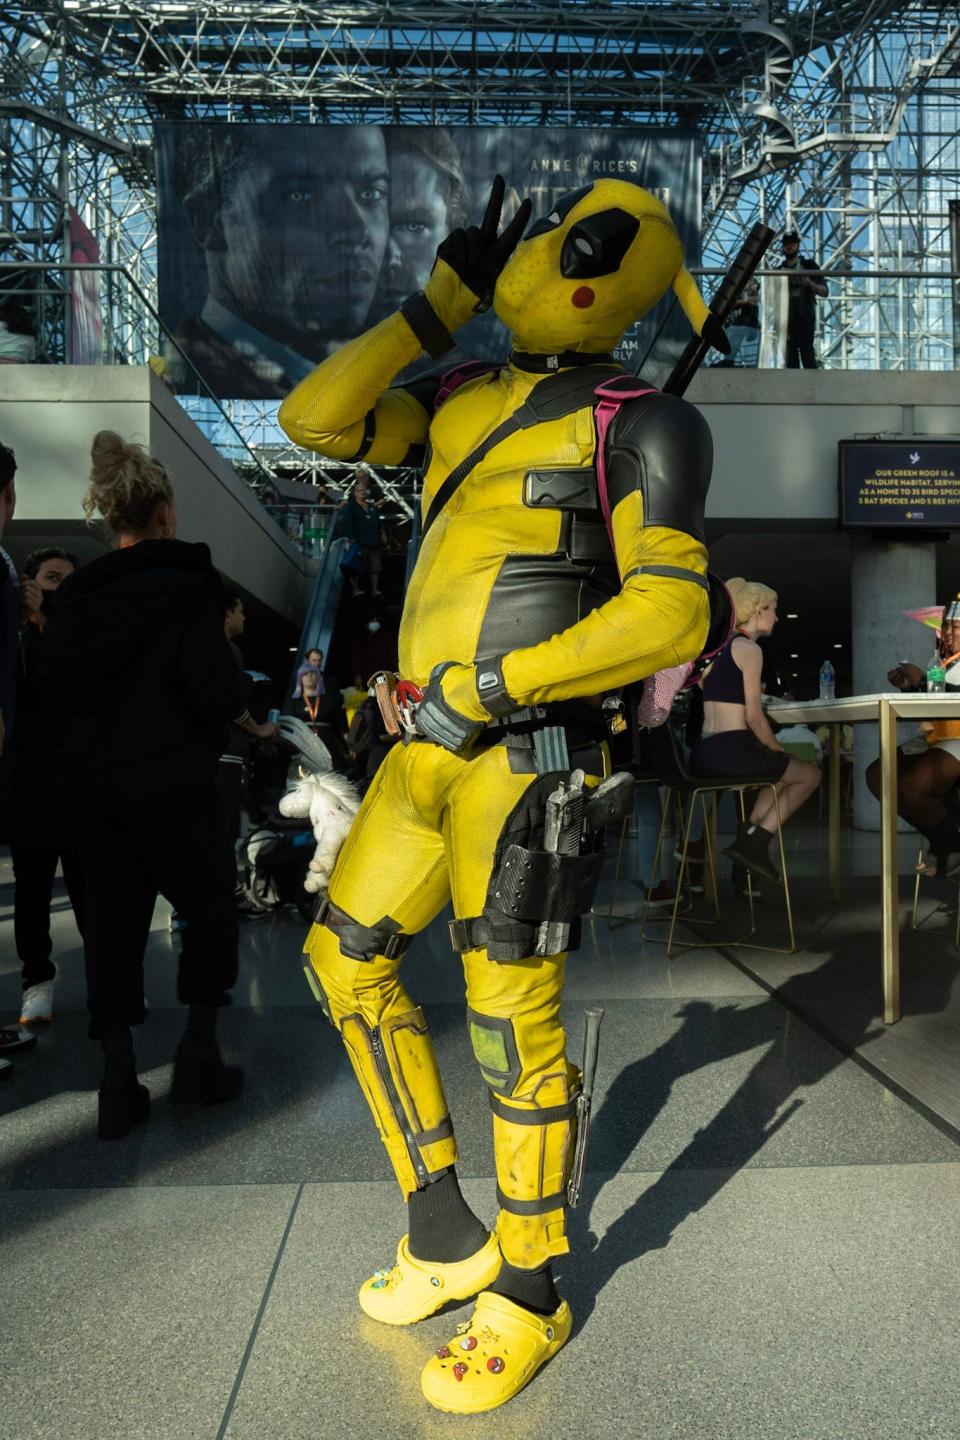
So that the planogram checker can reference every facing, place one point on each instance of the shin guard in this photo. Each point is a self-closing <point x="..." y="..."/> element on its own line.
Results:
<point x="533" y="1141"/>
<point x="397" y="1069"/>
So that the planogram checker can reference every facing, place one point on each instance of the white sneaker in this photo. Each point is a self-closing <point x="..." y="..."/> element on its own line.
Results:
<point x="37" y="1005"/>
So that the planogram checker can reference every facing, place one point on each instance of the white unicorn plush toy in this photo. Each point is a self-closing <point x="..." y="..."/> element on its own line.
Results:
<point x="331" y="802"/>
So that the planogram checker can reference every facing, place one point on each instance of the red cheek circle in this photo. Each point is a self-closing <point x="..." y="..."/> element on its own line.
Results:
<point x="583" y="298"/>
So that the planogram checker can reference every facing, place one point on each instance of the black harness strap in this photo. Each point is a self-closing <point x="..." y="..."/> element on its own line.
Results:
<point x="550" y="399"/>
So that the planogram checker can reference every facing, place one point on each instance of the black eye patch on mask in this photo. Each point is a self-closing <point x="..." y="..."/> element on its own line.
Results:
<point x="597" y="244"/>
<point x="559" y="212"/>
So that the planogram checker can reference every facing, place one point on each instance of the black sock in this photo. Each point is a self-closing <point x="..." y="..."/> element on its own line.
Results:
<point x="533" y="1289"/>
<point x="116" y="1042"/>
<point x="442" y="1227"/>
<point x="202" y="1022"/>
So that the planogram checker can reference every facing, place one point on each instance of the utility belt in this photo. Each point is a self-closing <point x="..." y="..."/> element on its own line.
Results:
<point x="542" y="739"/>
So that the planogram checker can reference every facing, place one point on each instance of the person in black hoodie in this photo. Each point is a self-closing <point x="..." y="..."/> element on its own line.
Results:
<point x="143" y="685"/>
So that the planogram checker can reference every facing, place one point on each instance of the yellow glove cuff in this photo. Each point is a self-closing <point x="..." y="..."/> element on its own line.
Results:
<point x="453" y="301"/>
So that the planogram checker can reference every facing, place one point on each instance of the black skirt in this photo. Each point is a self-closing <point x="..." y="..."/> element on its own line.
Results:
<point x="737" y="753"/>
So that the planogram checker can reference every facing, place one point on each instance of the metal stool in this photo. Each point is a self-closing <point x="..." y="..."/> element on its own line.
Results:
<point x="672" y="772"/>
<point x="916" y="898"/>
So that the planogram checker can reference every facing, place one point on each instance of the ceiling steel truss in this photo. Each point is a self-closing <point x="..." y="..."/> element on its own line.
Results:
<point x="839" y="114"/>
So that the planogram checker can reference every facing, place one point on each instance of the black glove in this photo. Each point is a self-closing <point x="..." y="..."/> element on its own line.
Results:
<point x="477" y="255"/>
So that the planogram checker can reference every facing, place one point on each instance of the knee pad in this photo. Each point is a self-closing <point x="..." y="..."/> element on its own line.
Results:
<point x="397" y="1069"/>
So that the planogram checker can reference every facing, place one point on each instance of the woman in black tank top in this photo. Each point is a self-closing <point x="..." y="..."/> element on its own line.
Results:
<point x="737" y="741"/>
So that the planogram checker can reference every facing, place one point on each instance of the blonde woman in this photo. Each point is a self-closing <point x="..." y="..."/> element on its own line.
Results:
<point x="737" y="739"/>
<point x="143" y="683"/>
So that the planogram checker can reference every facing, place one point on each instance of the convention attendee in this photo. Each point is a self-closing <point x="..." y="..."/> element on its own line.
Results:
<point x="503" y="650"/>
<point x="737" y="739"/>
<point x="143" y="685"/>
<point x="233" y="761"/>
<point x="743" y="330"/>
<point x="805" y="284"/>
<point x="18" y="344"/>
<point x="360" y="523"/>
<point x="40" y="836"/>
<point x="11" y="1039"/>
<point x="927" y="781"/>
<point x="374" y="648"/>
<point x="293" y="233"/>
<point x="320" y="705"/>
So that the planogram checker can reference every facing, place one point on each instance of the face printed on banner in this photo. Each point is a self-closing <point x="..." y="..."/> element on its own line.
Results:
<point x="418" y="224"/>
<point x="428" y="199"/>
<point x="297" y="244"/>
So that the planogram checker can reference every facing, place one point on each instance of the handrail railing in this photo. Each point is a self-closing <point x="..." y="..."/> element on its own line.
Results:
<point x="103" y="267"/>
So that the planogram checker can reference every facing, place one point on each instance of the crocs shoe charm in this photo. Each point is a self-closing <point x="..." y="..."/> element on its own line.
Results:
<point x="444" y="1352"/>
<point x="495" y="1365"/>
<point x="469" y="1342"/>
<point x="460" y="1369"/>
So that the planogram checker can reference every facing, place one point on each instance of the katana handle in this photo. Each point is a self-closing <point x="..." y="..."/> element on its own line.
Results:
<point x="591" y="1046"/>
<point x="750" y="254"/>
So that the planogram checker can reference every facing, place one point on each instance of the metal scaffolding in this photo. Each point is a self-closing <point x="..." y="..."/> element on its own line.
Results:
<point x="840" y="115"/>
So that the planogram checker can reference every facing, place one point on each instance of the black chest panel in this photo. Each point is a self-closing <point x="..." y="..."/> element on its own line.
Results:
<point x="658" y="445"/>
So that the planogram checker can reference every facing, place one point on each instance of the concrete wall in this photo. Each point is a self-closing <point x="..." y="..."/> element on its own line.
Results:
<point x="775" y="432"/>
<point x="48" y="414"/>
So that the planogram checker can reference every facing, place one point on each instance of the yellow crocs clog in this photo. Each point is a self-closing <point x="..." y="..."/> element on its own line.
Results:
<point x="414" y="1289"/>
<point x="494" y="1356"/>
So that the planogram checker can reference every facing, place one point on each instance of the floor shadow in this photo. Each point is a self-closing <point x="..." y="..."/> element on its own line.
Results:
<point x="764" y="1102"/>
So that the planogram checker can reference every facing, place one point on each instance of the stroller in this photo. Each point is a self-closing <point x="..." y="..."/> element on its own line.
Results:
<point x="278" y="850"/>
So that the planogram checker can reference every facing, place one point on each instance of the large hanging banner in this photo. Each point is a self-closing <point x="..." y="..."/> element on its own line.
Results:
<point x="278" y="243"/>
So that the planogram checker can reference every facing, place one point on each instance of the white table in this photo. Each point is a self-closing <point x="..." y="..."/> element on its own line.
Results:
<point x="885" y="710"/>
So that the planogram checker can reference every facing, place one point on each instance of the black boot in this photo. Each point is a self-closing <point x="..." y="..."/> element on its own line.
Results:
<point x="122" y="1101"/>
<point x="752" y="849"/>
<point x="945" y="845"/>
<point x="199" y="1074"/>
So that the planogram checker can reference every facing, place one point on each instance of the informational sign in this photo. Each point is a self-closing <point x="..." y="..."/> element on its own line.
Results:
<point x="909" y="484"/>
<point x="279" y="243"/>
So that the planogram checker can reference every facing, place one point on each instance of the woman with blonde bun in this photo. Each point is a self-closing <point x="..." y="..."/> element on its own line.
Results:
<point x="144" y="683"/>
<point x="737" y="740"/>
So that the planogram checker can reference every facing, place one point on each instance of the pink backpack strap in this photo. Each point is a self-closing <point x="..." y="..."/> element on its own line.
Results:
<point x="451" y="380"/>
<point x="612" y="395"/>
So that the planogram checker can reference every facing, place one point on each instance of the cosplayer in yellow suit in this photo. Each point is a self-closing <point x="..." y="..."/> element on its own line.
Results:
<point x="514" y="618"/>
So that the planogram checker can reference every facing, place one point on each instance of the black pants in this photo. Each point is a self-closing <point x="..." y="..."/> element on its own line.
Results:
<point x="180" y="852"/>
<point x="230" y="789"/>
<point x="800" y="346"/>
<point x="34" y="869"/>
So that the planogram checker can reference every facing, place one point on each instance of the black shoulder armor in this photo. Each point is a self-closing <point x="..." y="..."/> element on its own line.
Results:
<point x="661" y="445"/>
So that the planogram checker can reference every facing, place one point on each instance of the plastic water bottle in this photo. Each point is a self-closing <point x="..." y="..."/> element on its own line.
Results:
<point x="828" y="682"/>
<point x="936" y="675"/>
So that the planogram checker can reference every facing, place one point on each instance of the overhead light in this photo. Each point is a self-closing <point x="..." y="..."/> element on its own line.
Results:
<point x="293" y="649"/>
<point x="794" y="657"/>
<point x="793" y="674"/>
<point x="838" y="646"/>
<point x="793" y="616"/>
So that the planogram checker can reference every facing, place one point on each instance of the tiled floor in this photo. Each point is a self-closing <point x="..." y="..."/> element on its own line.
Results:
<point x="765" y="1246"/>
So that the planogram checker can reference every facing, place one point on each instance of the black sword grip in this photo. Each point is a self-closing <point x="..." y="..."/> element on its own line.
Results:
<point x="747" y="259"/>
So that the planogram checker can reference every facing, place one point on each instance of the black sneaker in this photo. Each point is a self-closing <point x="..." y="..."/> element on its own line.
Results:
<point x="12" y="1040"/>
<point x="752" y="849"/>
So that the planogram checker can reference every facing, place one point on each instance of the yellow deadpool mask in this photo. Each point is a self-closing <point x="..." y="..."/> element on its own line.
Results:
<point x="600" y="260"/>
